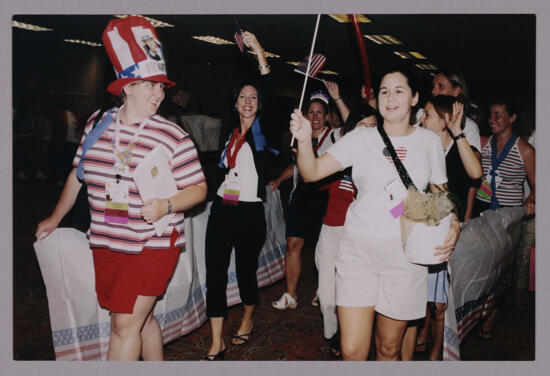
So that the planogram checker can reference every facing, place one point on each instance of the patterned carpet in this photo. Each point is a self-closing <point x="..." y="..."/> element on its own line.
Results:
<point x="287" y="335"/>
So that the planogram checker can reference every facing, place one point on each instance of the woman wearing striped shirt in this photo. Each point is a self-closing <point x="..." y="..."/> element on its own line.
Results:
<point x="132" y="263"/>
<point x="508" y="161"/>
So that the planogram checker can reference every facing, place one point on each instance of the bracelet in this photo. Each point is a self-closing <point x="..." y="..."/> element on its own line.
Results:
<point x="169" y="206"/>
<point x="261" y="67"/>
<point x="459" y="136"/>
<point x="337" y="98"/>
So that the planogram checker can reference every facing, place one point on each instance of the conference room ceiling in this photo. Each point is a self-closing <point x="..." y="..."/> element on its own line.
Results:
<point x="485" y="47"/>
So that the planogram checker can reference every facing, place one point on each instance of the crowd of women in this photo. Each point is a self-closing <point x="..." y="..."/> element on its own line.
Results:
<point x="350" y="185"/>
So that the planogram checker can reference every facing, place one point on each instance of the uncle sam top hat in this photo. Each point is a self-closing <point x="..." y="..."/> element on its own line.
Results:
<point x="135" y="51"/>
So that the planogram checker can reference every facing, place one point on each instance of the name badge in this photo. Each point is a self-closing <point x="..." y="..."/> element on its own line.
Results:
<point x="231" y="190"/>
<point x="498" y="179"/>
<point x="116" y="203"/>
<point x="395" y="193"/>
<point x="484" y="191"/>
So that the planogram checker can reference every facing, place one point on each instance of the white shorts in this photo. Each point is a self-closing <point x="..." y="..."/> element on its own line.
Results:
<point x="375" y="272"/>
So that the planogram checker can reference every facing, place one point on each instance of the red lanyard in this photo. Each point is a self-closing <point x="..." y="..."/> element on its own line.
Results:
<point x="327" y="131"/>
<point x="232" y="156"/>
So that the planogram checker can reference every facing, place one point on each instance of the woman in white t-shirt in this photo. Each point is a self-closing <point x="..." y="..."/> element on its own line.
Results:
<point x="373" y="273"/>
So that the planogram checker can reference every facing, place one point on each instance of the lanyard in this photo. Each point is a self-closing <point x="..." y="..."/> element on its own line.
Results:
<point x="122" y="157"/>
<point x="496" y="161"/>
<point x="232" y="155"/>
<point x="327" y="131"/>
<point x="399" y="166"/>
<point x="259" y="141"/>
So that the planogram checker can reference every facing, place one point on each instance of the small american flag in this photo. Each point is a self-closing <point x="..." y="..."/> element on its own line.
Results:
<point x="317" y="63"/>
<point x="238" y="36"/>
<point x="181" y="98"/>
<point x="346" y="184"/>
<point x="400" y="151"/>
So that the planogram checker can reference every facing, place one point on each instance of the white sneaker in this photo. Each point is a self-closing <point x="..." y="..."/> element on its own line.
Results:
<point x="286" y="301"/>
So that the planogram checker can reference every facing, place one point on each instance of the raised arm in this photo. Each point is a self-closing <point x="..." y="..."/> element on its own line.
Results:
<point x="311" y="168"/>
<point x="250" y="41"/>
<point x="334" y="92"/>
<point x="64" y="204"/>
<point x="470" y="159"/>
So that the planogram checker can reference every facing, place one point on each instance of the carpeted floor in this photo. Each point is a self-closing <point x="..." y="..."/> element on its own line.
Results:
<point x="287" y="335"/>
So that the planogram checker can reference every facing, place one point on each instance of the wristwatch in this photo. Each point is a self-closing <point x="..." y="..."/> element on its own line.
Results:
<point x="459" y="136"/>
<point x="169" y="206"/>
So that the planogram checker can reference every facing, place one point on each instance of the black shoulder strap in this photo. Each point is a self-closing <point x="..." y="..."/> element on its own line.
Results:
<point x="401" y="170"/>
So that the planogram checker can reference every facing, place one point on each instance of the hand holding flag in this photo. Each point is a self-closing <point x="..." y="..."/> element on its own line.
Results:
<point x="238" y="36"/>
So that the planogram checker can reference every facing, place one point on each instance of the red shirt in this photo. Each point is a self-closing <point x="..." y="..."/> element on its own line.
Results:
<point x="341" y="193"/>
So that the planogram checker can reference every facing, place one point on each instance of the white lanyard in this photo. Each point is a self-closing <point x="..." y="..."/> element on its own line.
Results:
<point x="122" y="158"/>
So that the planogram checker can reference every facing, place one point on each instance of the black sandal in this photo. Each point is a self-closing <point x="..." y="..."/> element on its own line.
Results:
<point x="335" y="349"/>
<point x="241" y="337"/>
<point x="218" y="356"/>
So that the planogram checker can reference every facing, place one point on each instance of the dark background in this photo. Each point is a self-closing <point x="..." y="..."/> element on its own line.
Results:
<point x="496" y="53"/>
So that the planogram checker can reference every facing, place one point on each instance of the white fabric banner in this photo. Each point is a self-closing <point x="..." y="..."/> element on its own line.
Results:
<point x="485" y="248"/>
<point x="80" y="328"/>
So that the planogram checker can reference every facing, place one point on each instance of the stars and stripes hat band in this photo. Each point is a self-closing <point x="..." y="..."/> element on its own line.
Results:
<point x="135" y="51"/>
<point x="319" y="95"/>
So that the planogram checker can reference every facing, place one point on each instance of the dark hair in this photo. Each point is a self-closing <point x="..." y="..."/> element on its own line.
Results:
<point x="443" y="104"/>
<point x="519" y="126"/>
<point x="239" y="87"/>
<point x="357" y="114"/>
<point x="510" y="104"/>
<point x="325" y="105"/>
<point x="411" y="81"/>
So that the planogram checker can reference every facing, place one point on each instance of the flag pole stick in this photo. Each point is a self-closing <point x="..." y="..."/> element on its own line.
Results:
<point x="307" y="69"/>
<point x="315" y="78"/>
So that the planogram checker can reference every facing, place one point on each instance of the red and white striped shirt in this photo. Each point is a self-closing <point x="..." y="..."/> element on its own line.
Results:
<point x="98" y="165"/>
<point x="512" y="171"/>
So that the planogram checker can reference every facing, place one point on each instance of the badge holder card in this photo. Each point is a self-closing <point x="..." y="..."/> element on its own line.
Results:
<point x="154" y="179"/>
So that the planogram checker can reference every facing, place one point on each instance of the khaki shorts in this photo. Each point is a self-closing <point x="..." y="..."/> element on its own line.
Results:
<point x="374" y="272"/>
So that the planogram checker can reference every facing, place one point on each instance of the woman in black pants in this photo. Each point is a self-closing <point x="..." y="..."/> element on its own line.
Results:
<point x="237" y="216"/>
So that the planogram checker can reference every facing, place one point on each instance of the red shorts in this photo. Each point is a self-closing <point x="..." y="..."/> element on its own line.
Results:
<point x="121" y="277"/>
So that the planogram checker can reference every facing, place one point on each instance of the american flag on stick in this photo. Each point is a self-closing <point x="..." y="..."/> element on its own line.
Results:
<point x="238" y="36"/>
<point x="317" y="63"/>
